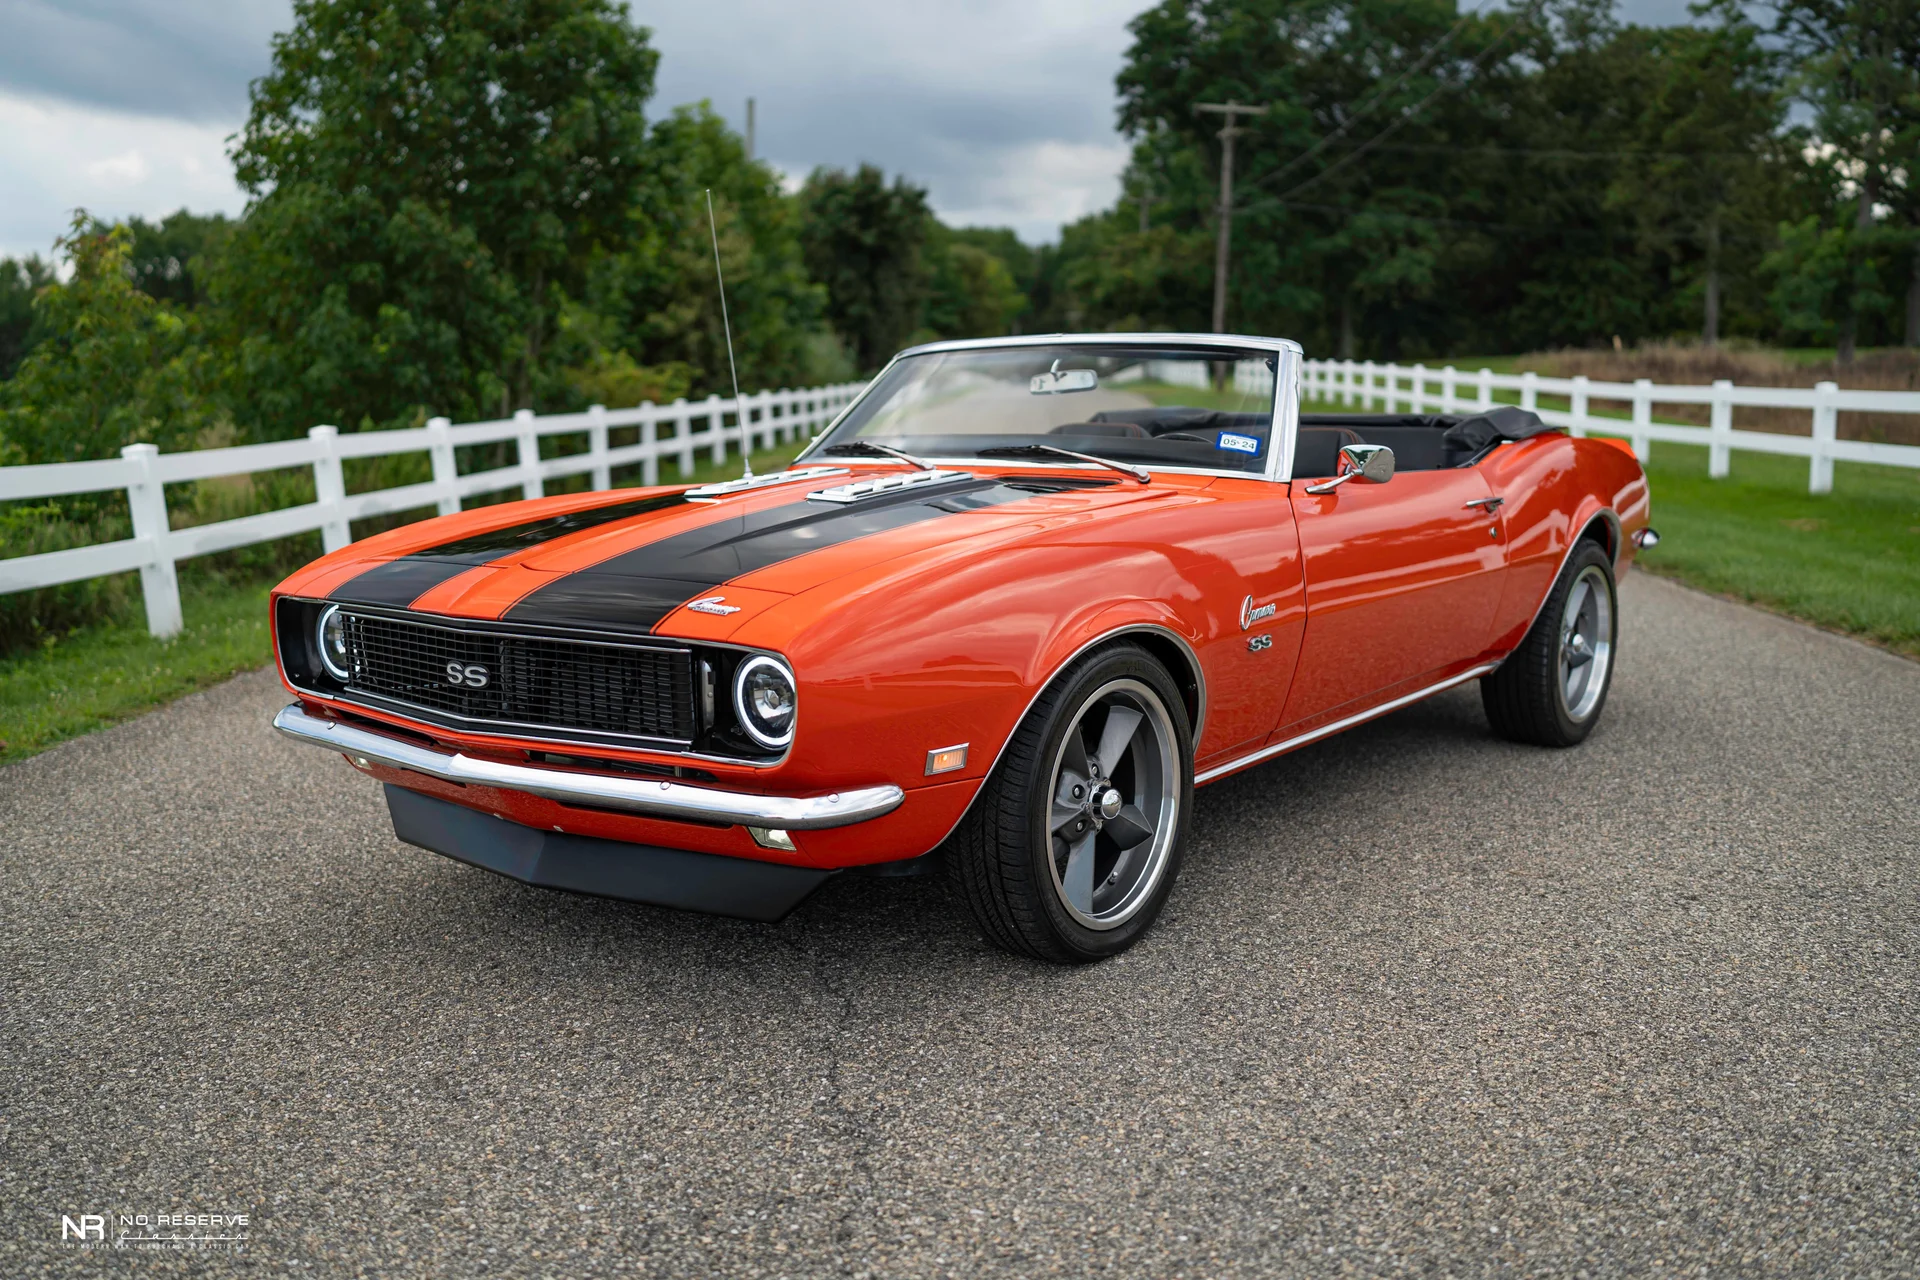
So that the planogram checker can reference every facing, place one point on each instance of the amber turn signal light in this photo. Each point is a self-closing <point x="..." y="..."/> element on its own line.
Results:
<point x="946" y="759"/>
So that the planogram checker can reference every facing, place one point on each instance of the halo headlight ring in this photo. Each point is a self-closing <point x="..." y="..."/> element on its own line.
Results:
<point x="766" y="701"/>
<point x="330" y="637"/>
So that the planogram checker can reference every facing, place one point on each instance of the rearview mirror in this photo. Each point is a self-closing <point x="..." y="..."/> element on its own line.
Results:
<point x="1057" y="380"/>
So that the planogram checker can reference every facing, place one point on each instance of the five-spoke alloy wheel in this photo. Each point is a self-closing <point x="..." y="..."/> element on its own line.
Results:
<point x="1071" y="847"/>
<point x="1550" y="690"/>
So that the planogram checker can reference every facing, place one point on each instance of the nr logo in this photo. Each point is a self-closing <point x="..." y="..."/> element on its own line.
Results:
<point x="92" y="1226"/>
<point x="470" y="675"/>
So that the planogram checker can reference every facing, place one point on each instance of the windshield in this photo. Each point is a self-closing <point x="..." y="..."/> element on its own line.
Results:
<point x="1167" y="406"/>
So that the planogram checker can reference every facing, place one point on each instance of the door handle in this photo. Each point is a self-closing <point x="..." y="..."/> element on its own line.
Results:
<point x="1491" y="504"/>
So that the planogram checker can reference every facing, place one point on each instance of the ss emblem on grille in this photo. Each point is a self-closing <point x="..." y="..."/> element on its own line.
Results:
<point x="473" y="676"/>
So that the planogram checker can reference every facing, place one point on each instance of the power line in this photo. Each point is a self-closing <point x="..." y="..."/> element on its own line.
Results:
<point x="1379" y="96"/>
<point x="1407" y="115"/>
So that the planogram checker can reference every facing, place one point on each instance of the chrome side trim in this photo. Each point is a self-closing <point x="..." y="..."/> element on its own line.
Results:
<point x="675" y="801"/>
<point x="1301" y="740"/>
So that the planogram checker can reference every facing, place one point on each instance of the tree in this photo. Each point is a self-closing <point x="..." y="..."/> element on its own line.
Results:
<point x="20" y="281"/>
<point x="428" y="178"/>
<point x="970" y="290"/>
<point x="1709" y="155"/>
<point x="166" y="259"/>
<point x="1858" y="68"/>
<point x="866" y="242"/>
<point x="112" y="366"/>
<point x="650" y="309"/>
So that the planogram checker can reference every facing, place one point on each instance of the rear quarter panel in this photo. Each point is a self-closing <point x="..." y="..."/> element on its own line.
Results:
<point x="1555" y="486"/>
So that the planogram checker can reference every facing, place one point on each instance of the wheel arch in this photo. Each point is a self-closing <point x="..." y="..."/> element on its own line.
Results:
<point x="1601" y="525"/>
<point x="1165" y="645"/>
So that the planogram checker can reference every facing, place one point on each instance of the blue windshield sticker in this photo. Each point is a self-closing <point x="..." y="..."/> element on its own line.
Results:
<point x="1239" y="444"/>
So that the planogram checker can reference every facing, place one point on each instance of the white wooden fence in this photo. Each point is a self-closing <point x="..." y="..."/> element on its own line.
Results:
<point x="1416" y="388"/>
<point x="155" y="548"/>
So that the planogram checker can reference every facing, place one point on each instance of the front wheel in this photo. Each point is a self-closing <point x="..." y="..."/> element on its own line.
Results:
<point x="1071" y="847"/>
<point x="1551" y="689"/>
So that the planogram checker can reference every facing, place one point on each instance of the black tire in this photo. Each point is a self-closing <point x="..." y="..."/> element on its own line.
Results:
<point x="1017" y="874"/>
<point x="1528" y="699"/>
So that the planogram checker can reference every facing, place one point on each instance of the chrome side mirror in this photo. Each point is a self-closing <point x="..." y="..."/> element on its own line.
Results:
<point x="1370" y="463"/>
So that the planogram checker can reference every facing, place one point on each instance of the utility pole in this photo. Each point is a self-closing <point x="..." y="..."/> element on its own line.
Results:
<point x="1228" y="132"/>
<point x="749" y="128"/>
<point x="1146" y="198"/>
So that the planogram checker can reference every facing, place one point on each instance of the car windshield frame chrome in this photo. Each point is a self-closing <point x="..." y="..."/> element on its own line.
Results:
<point x="1286" y="399"/>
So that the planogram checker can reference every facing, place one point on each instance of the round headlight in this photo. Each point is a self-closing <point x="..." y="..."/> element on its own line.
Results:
<point x="332" y="634"/>
<point x="764" y="699"/>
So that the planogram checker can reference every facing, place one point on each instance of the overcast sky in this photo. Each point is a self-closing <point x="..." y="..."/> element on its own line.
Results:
<point x="1003" y="109"/>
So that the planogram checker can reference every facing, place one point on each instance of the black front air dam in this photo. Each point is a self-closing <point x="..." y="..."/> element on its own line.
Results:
<point x="740" y="887"/>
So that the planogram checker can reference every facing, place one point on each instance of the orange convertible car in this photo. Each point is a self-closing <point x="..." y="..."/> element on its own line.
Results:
<point x="1004" y="615"/>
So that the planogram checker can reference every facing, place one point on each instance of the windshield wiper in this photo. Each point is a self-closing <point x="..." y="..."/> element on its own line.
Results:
<point x="1028" y="450"/>
<point x="856" y="447"/>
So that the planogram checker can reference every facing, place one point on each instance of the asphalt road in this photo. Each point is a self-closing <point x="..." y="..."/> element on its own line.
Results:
<point x="1423" y="1002"/>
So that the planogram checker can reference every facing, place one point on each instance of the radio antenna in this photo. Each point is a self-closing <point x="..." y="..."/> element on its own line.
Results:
<point x="726" y="325"/>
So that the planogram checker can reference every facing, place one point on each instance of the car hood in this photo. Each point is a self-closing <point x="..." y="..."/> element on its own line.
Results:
<point x="661" y="561"/>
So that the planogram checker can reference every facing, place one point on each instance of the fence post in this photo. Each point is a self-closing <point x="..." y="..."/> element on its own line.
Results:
<point x="649" y="445"/>
<point x="1347" y="379"/>
<point x="1530" y="390"/>
<point x="597" y="446"/>
<point x="1486" y="388"/>
<point x="683" y="435"/>
<point x="1642" y="417"/>
<point x="1579" y="406"/>
<point x="1720" y="429"/>
<point x="446" y="470"/>
<point x="530" y="483"/>
<point x="717" y="430"/>
<point x="1449" y="388"/>
<point x="1366" y="385"/>
<point x="329" y="488"/>
<point x="1417" y="388"/>
<point x="1826" y="424"/>
<point x="147" y="503"/>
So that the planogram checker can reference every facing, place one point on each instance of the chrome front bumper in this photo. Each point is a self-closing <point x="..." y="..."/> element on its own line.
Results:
<point x="653" y="799"/>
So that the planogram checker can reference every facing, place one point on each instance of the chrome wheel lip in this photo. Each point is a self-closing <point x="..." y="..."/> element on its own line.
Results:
<point x="1584" y="655"/>
<point x="1153" y="775"/>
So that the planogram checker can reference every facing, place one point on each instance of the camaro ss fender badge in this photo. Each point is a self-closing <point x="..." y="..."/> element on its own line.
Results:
<point x="470" y="675"/>
<point x="1249" y="614"/>
<point x="714" y="604"/>
<point x="1257" y="643"/>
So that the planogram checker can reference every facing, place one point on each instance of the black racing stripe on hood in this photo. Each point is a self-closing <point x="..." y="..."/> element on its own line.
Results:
<point x="635" y="590"/>
<point x="401" y="582"/>
<point x="397" y="582"/>
<point x="483" y="548"/>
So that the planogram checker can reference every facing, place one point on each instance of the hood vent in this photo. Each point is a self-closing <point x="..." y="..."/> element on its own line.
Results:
<point x="861" y="490"/>
<point x="712" y="491"/>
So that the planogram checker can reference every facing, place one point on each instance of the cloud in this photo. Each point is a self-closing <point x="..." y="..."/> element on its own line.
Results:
<point x="178" y="59"/>
<point x="1002" y="109"/>
<point x="57" y="156"/>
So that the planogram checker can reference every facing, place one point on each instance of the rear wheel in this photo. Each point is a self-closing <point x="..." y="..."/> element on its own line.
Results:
<point x="1550" y="690"/>
<point x="1071" y="847"/>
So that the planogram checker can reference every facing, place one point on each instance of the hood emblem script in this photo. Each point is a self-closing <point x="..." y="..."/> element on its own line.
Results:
<point x="1250" y="614"/>
<point x="714" y="604"/>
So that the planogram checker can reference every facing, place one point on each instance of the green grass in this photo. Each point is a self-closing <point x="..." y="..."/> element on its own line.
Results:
<point x="1848" y="560"/>
<point x="101" y="675"/>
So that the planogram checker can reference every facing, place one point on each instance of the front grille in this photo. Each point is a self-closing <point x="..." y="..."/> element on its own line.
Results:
<point x="528" y="681"/>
